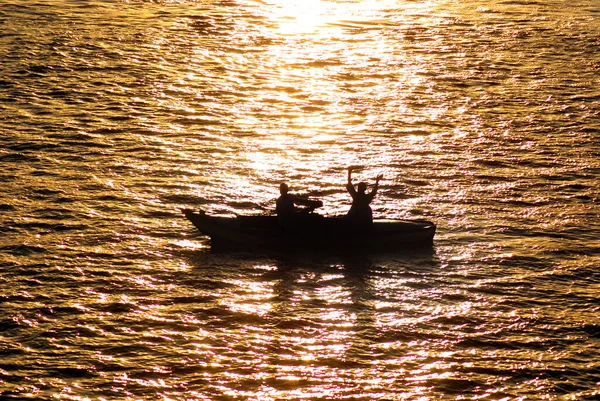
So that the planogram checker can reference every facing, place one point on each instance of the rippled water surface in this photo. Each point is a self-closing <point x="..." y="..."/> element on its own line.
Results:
<point x="483" y="116"/>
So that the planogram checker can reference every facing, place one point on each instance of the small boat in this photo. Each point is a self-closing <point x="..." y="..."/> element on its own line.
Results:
<point x="315" y="232"/>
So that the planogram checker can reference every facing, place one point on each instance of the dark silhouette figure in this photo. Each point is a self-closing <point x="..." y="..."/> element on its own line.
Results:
<point x="288" y="214"/>
<point x="360" y="215"/>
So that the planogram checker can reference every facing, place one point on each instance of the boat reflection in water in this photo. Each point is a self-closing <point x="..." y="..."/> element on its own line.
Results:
<point x="315" y="324"/>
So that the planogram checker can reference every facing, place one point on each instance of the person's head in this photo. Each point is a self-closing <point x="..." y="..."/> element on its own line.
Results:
<point x="362" y="187"/>
<point x="283" y="188"/>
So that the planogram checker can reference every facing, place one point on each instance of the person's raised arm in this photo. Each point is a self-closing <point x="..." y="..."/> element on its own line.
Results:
<point x="376" y="186"/>
<point x="349" y="186"/>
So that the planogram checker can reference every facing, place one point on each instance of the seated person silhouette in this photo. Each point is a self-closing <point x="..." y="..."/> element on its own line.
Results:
<point x="288" y="215"/>
<point x="360" y="215"/>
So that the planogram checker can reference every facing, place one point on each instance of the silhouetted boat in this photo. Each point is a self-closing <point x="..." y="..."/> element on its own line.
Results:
<point x="251" y="232"/>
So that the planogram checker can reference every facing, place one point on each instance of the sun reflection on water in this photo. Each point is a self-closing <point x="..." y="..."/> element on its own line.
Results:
<point x="301" y="17"/>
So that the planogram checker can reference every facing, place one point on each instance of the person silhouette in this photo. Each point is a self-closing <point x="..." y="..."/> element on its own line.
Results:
<point x="360" y="215"/>
<point x="288" y="215"/>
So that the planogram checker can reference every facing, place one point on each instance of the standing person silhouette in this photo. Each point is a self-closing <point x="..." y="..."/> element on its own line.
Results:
<point x="360" y="215"/>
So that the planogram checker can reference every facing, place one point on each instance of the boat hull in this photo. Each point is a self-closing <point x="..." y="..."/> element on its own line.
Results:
<point x="316" y="232"/>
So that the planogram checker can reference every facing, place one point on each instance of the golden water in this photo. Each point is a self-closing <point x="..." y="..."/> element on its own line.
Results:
<point x="483" y="117"/>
